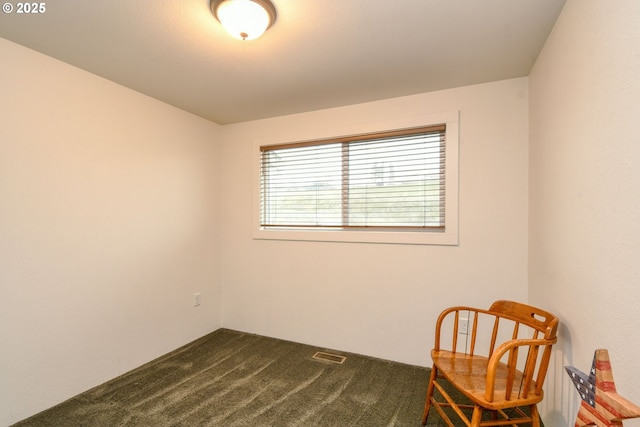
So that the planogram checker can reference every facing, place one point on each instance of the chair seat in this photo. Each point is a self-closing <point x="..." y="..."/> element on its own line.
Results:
<point x="468" y="374"/>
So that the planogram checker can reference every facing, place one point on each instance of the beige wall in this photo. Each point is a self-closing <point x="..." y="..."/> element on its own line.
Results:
<point x="584" y="194"/>
<point x="382" y="299"/>
<point x="108" y="225"/>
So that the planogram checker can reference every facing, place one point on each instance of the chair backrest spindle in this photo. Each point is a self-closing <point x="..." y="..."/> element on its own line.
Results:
<point x="494" y="336"/>
<point x="456" y="322"/>
<point x="474" y="333"/>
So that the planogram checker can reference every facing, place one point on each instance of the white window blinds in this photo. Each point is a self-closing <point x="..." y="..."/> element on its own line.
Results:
<point x="389" y="180"/>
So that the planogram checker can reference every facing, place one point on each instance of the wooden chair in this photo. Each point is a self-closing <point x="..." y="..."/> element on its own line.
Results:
<point x="496" y="361"/>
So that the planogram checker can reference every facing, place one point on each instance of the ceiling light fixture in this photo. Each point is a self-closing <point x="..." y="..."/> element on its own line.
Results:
<point x="244" y="19"/>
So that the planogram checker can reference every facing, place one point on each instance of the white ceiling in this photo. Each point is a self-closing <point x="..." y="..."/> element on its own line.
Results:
<point x="319" y="53"/>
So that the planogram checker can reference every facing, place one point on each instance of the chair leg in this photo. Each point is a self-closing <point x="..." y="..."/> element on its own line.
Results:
<point x="427" y="403"/>
<point x="535" y="417"/>
<point x="476" y="417"/>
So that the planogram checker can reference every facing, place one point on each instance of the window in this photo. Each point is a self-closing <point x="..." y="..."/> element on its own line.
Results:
<point x="389" y="180"/>
<point x="397" y="186"/>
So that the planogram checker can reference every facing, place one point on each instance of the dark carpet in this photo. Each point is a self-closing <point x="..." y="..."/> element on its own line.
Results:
<point x="229" y="378"/>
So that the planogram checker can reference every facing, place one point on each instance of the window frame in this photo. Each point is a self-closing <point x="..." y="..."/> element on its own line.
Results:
<point x="395" y="236"/>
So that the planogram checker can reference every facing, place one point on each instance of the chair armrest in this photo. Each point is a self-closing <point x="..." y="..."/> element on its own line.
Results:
<point x="512" y="348"/>
<point x="455" y="311"/>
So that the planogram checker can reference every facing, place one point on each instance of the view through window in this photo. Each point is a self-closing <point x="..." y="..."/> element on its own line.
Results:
<point x="383" y="181"/>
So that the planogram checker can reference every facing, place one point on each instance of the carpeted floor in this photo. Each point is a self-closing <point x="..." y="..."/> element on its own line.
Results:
<point x="229" y="379"/>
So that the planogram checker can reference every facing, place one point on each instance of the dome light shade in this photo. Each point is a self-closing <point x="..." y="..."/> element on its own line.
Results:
<point x="244" y="19"/>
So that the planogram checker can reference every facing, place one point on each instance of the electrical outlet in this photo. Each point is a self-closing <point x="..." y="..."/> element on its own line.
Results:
<point x="463" y="326"/>
<point x="196" y="299"/>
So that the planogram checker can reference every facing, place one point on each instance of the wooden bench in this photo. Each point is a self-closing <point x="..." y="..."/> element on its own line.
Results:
<point x="497" y="359"/>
